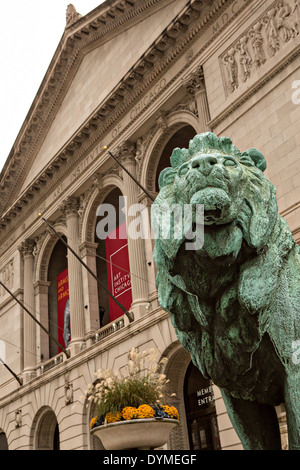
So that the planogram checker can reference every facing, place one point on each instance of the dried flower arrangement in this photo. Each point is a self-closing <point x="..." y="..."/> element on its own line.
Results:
<point x="140" y="394"/>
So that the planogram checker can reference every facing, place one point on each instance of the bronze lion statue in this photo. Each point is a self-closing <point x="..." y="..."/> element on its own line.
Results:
<point x="234" y="299"/>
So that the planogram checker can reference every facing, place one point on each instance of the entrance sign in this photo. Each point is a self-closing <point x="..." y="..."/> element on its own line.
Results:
<point x="63" y="309"/>
<point x="118" y="270"/>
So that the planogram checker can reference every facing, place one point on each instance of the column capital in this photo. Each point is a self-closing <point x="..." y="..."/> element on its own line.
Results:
<point x="41" y="287"/>
<point x="70" y="206"/>
<point x="195" y="83"/>
<point x="126" y="151"/>
<point x="27" y="247"/>
<point x="88" y="249"/>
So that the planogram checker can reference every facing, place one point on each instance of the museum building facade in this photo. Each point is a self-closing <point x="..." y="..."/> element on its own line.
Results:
<point x="141" y="77"/>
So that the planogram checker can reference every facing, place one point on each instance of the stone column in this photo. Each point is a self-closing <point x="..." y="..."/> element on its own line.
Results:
<point x="136" y="249"/>
<point x="90" y="287"/>
<point x="41" y="290"/>
<point x="195" y="85"/>
<point x="30" y="352"/>
<point x="150" y="265"/>
<point x="70" y="209"/>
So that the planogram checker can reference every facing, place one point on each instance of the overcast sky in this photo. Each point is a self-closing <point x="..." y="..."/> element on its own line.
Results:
<point x="30" y="32"/>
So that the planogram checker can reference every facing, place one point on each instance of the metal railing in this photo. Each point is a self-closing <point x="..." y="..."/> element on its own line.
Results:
<point x="109" y="329"/>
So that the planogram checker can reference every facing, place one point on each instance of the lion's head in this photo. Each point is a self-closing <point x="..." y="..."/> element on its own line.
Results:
<point x="229" y="184"/>
<point x="223" y="289"/>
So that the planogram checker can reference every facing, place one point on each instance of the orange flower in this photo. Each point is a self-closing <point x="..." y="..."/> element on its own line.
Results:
<point x="129" y="412"/>
<point x="113" y="417"/>
<point x="145" y="411"/>
<point x="171" y="411"/>
<point x="93" y="421"/>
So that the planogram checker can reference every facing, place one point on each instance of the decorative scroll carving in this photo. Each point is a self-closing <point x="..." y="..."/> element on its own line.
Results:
<point x="277" y="26"/>
<point x="18" y="418"/>
<point x="68" y="390"/>
<point x="195" y="81"/>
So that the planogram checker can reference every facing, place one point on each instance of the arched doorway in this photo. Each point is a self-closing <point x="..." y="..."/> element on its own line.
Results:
<point x="3" y="441"/>
<point x="46" y="431"/>
<point x="200" y="411"/>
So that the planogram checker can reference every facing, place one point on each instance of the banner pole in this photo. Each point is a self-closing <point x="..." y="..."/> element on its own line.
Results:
<point x="12" y="372"/>
<point x="33" y="317"/>
<point x="128" y="314"/>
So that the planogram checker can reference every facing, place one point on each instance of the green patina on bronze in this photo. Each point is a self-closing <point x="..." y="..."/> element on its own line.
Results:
<point x="235" y="302"/>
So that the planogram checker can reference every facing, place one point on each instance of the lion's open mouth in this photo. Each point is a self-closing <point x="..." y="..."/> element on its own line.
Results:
<point x="215" y="202"/>
<point x="216" y="214"/>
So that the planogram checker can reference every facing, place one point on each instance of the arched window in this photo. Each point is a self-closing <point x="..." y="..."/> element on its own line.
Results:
<point x="200" y="411"/>
<point x="180" y="139"/>
<point x="57" y="265"/>
<point x="112" y="258"/>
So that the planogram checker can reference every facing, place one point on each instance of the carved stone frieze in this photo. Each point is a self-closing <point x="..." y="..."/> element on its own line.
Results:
<point x="278" y="25"/>
<point x="7" y="277"/>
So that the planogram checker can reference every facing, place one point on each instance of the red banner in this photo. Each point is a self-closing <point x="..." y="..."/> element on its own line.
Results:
<point x="63" y="309"/>
<point x="118" y="271"/>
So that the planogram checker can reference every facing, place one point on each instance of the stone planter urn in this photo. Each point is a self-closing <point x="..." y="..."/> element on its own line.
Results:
<point x="140" y="434"/>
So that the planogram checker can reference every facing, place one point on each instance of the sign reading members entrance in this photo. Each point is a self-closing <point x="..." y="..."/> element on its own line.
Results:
<point x="205" y="396"/>
<point x="118" y="271"/>
<point x="63" y="309"/>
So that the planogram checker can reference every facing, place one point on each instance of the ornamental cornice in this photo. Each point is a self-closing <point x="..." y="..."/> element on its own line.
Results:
<point x="146" y="72"/>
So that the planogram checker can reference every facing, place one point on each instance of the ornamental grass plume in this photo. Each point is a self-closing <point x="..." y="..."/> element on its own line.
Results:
<point x="117" y="396"/>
